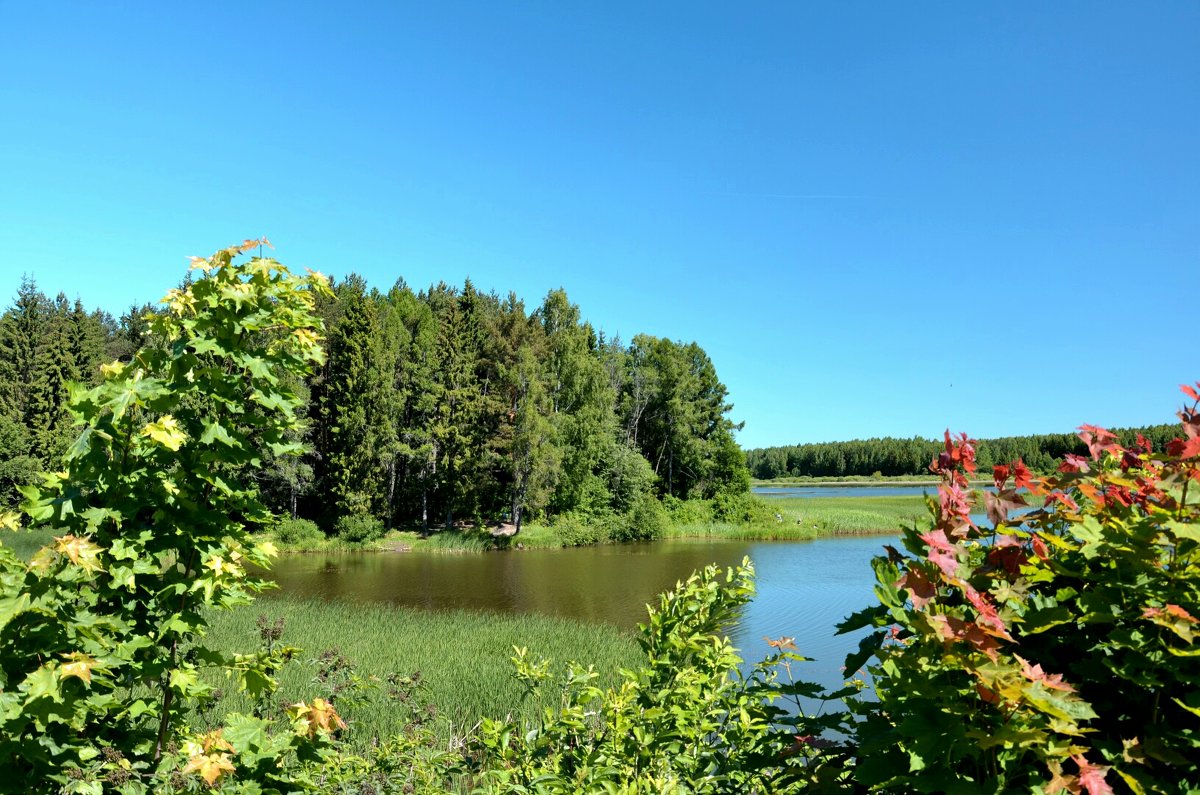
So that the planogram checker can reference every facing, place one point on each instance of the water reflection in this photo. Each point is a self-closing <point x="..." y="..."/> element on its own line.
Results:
<point x="804" y="588"/>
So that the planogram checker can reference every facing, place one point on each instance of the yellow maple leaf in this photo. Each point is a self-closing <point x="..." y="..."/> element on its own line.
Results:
<point x="325" y="716"/>
<point x="320" y="715"/>
<point x="80" y="666"/>
<point x="180" y="301"/>
<point x="201" y="264"/>
<point x="42" y="561"/>
<point x="166" y="432"/>
<point x="10" y="521"/>
<point x="81" y="551"/>
<point x="307" y="337"/>
<point x="210" y="766"/>
<point x="111" y="369"/>
<point x="214" y="739"/>
<point x="221" y="566"/>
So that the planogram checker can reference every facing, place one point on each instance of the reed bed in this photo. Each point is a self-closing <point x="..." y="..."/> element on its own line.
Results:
<point x="463" y="657"/>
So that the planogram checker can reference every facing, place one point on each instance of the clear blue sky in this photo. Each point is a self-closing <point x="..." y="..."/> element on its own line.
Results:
<point x="877" y="218"/>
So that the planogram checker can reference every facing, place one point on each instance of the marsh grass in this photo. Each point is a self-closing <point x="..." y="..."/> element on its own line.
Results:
<point x="464" y="658"/>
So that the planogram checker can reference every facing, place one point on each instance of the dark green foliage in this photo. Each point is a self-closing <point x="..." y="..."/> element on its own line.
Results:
<point x="297" y="532"/>
<point x="573" y="530"/>
<point x="741" y="508"/>
<point x="440" y="408"/>
<point x="151" y="516"/>
<point x="358" y="528"/>
<point x="892" y="457"/>
<point x="647" y="520"/>
<point x="17" y="466"/>
<point x="675" y="413"/>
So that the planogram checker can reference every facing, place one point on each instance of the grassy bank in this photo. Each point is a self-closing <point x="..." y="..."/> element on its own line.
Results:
<point x="806" y="518"/>
<point x="767" y="519"/>
<point x="463" y="657"/>
<point x="860" y="480"/>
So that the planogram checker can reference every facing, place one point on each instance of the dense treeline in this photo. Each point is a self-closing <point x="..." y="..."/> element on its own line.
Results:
<point x="45" y="345"/>
<point x="890" y="456"/>
<point x="432" y="408"/>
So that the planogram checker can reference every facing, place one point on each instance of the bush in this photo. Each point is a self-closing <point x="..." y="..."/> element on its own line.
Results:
<point x="298" y="532"/>
<point x="686" y="720"/>
<point x="646" y="521"/>
<point x="688" y="511"/>
<point x="358" y="528"/>
<point x="743" y="508"/>
<point x="1055" y="650"/>
<point x="573" y="530"/>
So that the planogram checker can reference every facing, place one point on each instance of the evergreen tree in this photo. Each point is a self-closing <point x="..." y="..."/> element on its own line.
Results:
<point x="22" y="330"/>
<point x="416" y="404"/>
<point x="352" y="437"/>
<point x="582" y="403"/>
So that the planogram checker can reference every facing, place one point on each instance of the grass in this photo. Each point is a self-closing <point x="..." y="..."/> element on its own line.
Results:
<point x="463" y="657"/>
<point x="800" y="519"/>
<point x="813" y="517"/>
<point x="857" y="480"/>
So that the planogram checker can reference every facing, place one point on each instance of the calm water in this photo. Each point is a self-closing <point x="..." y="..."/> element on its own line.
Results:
<point x="804" y="588"/>
<point x="843" y="491"/>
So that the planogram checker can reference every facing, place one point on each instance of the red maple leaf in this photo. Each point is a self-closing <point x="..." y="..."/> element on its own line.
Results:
<point x="988" y="619"/>
<point x="942" y="553"/>
<point x="1063" y="500"/>
<point x="1009" y="558"/>
<point x="998" y="505"/>
<point x="1097" y="440"/>
<point x="1178" y="448"/>
<point x="1034" y="673"/>
<point x="1000" y="475"/>
<point x="1091" y="777"/>
<point x="1022" y="477"/>
<point x="1074" y="463"/>
<point x="920" y="589"/>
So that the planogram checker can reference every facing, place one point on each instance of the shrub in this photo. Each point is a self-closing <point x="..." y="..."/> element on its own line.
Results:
<point x="646" y="521"/>
<point x="575" y="531"/>
<point x="152" y="513"/>
<point x="298" y="532"/>
<point x="687" y="720"/>
<point x="742" y="508"/>
<point x="1051" y="651"/>
<point x="683" y="512"/>
<point x="358" y="528"/>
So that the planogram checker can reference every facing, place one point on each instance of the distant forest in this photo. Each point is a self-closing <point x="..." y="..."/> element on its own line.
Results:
<point x="432" y="407"/>
<point x="889" y="456"/>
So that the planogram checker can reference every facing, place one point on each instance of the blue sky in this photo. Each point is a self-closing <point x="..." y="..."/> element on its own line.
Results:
<point x="878" y="219"/>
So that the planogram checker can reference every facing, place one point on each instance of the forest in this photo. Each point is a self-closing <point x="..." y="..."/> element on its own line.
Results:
<point x="431" y="408"/>
<point x="1030" y="652"/>
<point x="890" y="456"/>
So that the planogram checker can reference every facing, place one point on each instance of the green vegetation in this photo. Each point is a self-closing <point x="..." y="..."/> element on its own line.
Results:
<point x="152" y="515"/>
<point x="463" y="659"/>
<point x="430" y="410"/>
<point x="1053" y="652"/>
<point x="803" y="518"/>
<point x="889" y="457"/>
<point x="753" y="518"/>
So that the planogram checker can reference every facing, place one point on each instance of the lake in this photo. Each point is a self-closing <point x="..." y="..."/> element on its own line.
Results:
<point x="804" y="587"/>
<point x="806" y="492"/>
